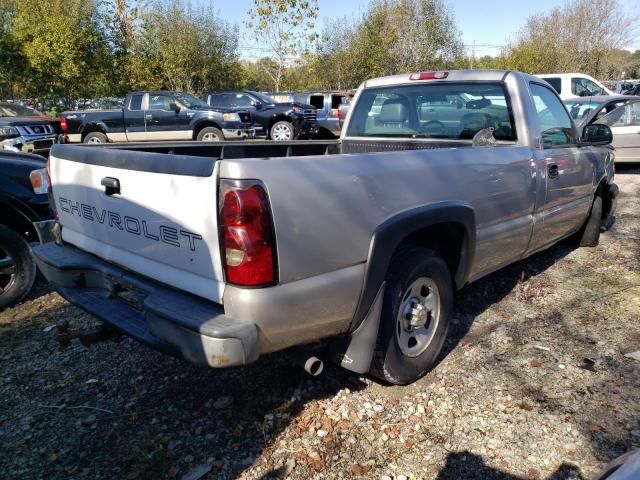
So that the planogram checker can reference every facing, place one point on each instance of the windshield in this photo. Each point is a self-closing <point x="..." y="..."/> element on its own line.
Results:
<point x="447" y="110"/>
<point x="264" y="98"/>
<point x="15" y="110"/>
<point x="189" y="101"/>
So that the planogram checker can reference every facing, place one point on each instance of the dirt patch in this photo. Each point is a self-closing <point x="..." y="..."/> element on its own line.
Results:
<point x="535" y="384"/>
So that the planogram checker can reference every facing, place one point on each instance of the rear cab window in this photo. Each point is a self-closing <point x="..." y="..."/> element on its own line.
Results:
<point x="444" y="110"/>
<point x="135" y="102"/>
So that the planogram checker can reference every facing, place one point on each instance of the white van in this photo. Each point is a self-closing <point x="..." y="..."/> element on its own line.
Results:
<point x="570" y="85"/>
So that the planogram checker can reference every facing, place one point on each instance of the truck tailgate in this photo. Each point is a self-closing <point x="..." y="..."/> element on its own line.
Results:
<point x="162" y="223"/>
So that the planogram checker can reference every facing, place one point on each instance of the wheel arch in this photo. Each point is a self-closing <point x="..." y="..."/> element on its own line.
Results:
<point x="279" y="118"/>
<point x="198" y="126"/>
<point x="99" y="127"/>
<point x="18" y="217"/>
<point x="446" y="227"/>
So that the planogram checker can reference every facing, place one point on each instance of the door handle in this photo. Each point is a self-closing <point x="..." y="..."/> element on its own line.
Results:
<point x="111" y="185"/>
<point x="148" y="116"/>
<point x="553" y="170"/>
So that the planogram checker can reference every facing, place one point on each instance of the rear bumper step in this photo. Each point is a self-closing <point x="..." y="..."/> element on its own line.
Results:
<point x="176" y="323"/>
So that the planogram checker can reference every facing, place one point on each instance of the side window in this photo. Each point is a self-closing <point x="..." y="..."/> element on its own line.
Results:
<point x="240" y="100"/>
<point x="317" y="101"/>
<point x="583" y="87"/>
<point x="555" y="123"/>
<point x="135" y="102"/>
<point x="634" y="118"/>
<point x="555" y="82"/>
<point x="159" y="102"/>
<point x="625" y="116"/>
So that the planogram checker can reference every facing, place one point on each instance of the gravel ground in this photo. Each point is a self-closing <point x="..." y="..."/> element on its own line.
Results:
<point x="534" y="384"/>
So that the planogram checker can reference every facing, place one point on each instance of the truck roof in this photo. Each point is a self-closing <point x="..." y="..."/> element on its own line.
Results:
<point x="153" y="92"/>
<point x="452" y="75"/>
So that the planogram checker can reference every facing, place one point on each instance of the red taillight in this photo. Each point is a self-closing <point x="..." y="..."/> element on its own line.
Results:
<point x="340" y="115"/>
<point x="428" y="76"/>
<point x="63" y="124"/>
<point x="248" y="246"/>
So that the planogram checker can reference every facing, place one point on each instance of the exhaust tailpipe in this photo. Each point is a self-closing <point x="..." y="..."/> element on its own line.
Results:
<point x="313" y="366"/>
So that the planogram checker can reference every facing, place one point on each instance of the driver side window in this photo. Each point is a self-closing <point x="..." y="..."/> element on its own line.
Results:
<point x="159" y="102"/>
<point x="555" y="123"/>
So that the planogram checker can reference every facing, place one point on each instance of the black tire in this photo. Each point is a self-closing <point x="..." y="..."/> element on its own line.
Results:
<point x="210" y="134"/>
<point x="390" y="362"/>
<point x="17" y="267"/>
<point x="279" y="131"/>
<point x="589" y="233"/>
<point x="95" y="137"/>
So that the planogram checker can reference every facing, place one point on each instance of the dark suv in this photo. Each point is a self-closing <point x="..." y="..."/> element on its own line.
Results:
<point x="23" y="129"/>
<point x="271" y="119"/>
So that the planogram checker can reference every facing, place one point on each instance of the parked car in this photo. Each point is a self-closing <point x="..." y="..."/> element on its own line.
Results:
<point x="586" y="110"/>
<point x="326" y="105"/>
<point x="25" y="219"/>
<point x="575" y="85"/>
<point x="23" y="129"/>
<point x="158" y="115"/>
<point x="272" y="119"/>
<point x="624" y="122"/>
<point x="361" y="240"/>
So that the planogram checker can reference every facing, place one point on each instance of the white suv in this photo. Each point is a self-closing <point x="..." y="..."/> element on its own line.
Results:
<point x="570" y="85"/>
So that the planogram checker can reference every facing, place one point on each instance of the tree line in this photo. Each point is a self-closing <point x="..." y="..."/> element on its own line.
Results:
<point x="72" y="49"/>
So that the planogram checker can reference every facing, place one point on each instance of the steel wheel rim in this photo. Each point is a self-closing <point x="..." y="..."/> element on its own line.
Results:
<point x="418" y="317"/>
<point x="7" y="271"/>
<point x="281" y="133"/>
<point x="210" y="137"/>
<point x="94" y="140"/>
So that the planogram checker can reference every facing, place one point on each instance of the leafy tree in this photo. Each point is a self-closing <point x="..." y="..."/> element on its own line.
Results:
<point x="572" y="38"/>
<point x="121" y="22"/>
<point x="11" y="60"/>
<point x="393" y="36"/>
<point x="62" y="46"/>
<point x="283" y="27"/>
<point x="184" y="48"/>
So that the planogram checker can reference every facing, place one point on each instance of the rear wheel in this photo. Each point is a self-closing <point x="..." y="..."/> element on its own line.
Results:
<point x="589" y="234"/>
<point x="17" y="267"/>
<point x="281" y="131"/>
<point x="415" y="316"/>
<point x="210" y="134"/>
<point x="95" y="137"/>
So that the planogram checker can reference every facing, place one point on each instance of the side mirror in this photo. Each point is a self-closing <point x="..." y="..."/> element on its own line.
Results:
<point x="258" y="105"/>
<point x="596" y="134"/>
<point x="175" y="107"/>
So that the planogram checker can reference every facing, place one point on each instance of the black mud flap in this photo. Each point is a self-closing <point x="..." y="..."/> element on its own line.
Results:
<point x="355" y="351"/>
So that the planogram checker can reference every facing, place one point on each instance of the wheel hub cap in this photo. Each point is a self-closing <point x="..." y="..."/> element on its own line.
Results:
<point x="418" y="316"/>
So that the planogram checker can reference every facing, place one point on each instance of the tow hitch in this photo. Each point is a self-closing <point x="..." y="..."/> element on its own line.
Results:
<point x="87" y="336"/>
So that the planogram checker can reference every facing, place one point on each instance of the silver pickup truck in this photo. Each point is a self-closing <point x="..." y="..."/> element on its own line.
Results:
<point x="219" y="253"/>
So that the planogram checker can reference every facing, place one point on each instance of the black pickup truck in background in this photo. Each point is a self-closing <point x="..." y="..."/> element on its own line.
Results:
<point x="271" y="119"/>
<point x="158" y="115"/>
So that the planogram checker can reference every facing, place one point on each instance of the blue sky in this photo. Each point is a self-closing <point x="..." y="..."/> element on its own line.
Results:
<point x="483" y="22"/>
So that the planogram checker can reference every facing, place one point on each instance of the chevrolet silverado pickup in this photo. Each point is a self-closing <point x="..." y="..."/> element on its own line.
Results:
<point x="154" y="116"/>
<point x="220" y="253"/>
